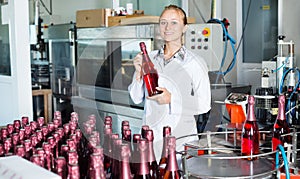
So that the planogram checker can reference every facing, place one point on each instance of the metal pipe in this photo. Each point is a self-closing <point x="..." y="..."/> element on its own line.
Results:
<point x="280" y="16"/>
<point x="213" y="9"/>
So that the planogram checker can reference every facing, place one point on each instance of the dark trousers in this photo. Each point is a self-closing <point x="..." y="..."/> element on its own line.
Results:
<point x="201" y="121"/>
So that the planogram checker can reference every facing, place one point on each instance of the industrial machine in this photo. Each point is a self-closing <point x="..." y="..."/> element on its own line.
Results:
<point x="279" y="76"/>
<point x="104" y="71"/>
<point x="62" y="59"/>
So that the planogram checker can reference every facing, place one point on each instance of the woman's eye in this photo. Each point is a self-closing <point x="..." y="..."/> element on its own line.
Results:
<point x="174" y="23"/>
<point x="162" y="23"/>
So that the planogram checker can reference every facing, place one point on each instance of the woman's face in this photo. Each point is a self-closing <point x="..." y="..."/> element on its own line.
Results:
<point x="171" y="26"/>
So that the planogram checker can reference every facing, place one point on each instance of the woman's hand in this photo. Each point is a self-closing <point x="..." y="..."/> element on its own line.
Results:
<point x="137" y="62"/>
<point x="163" y="98"/>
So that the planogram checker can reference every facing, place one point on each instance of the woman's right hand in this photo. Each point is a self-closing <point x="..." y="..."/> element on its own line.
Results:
<point x="137" y="62"/>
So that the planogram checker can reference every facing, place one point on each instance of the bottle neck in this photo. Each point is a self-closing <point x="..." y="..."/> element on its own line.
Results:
<point x="164" y="153"/>
<point x="281" y="111"/>
<point x="251" y="113"/>
<point x="151" y="152"/>
<point x="144" y="165"/>
<point x="172" y="162"/>
<point x="126" y="173"/>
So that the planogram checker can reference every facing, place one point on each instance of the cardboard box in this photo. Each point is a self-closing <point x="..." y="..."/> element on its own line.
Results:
<point x="17" y="167"/>
<point x="92" y="18"/>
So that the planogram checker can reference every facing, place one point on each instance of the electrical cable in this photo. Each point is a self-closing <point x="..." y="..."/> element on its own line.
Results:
<point x="243" y="32"/>
<point x="232" y="43"/>
<point x="285" y="161"/>
<point x="285" y="62"/>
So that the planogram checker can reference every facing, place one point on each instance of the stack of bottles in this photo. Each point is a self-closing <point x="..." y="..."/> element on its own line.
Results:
<point x="75" y="153"/>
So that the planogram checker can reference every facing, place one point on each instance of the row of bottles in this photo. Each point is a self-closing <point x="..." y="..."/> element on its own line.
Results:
<point x="76" y="152"/>
<point x="250" y="130"/>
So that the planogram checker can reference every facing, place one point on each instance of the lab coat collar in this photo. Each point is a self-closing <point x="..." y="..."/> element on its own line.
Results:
<point x="179" y="55"/>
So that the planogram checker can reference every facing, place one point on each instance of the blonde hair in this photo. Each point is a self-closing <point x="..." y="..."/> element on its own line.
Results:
<point x="178" y="9"/>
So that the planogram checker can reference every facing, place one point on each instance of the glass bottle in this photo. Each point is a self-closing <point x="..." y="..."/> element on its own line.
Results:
<point x="95" y="167"/>
<point x="280" y="126"/>
<point x="153" y="166"/>
<point x="127" y="138"/>
<point x="73" y="171"/>
<point x="115" y="166"/>
<point x="143" y="171"/>
<point x="41" y="122"/>
<point x="24" y="121"/>
<point x="135" y="157"/>
<point x="28" y="149"/>
<point x="125" y="172"/>
<point x="143" y="130"/>
<point x="250" y="132"/>
<point x="107" y="149"/>
<point x="61" y="167"/>
<point x="150" y="75"/>
<point x="172" y="171"/>
<point x="2" y="151"/>
<point x="164" y="154"/>
<point x="17" y="125"/>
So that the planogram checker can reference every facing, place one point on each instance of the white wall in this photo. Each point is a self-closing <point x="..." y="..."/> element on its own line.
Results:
<point x="16" y="95"/>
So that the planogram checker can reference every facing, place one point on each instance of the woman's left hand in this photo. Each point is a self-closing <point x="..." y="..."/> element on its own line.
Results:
<point x="163" y="98"/>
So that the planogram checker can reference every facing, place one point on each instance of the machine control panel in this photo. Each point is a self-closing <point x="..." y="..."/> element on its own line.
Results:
<point x="206" y="40"/>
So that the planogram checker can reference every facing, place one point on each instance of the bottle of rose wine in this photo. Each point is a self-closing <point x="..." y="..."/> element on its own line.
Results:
<point x="150" y="75"/>
<point x="164" y="154"/>
<point x="143" y="130"/>
<point x="125" y="172"/>
<point x="135" y="157"/>
<point x="61" y="167"/>
<point x="172" y="170"/>
<point x="280" y="126"/>
<point x="143" y="171"/>
<point x="153" y="166"/>
<point x="250" y="132"/>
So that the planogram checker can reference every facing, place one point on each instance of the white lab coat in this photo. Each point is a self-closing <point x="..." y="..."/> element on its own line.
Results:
<point x="186" y="78"/>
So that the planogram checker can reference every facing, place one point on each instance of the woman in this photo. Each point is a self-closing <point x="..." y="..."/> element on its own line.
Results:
<point x="183" y="81"/>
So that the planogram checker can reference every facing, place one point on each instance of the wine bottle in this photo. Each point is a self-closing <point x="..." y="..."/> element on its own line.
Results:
<point x="28" y="149"/>
<point x="172" y="170"/>
<point x="135" y="158"/>
<point x="115" y="166"/>
<point x="143" y="130"/>
<point x="95" y="171"/>
<point x="10" y="129"/>
<point x="61" y="167"/>
<point x="280" y="126"/>
<point x="250" y="132"/>
<point x="123" y="129"/>
<point x="36" y="159"/>
<point x="24" y="121"/>
<point x="20" y="151"/>
<point x="4" y="134"/>
<point x="107" y="149"/>
<point x="33" y="126"/>
<point x="143" y="171"/>
<point x="17" y="125"/>
<point x="73" y="171"/>
<point x="125" y="172"/>
<point x="153" y="166"/>
<point x="41" y="122"/>
<point x="2" y="151"/>
<point x="127" y="138"/>
<point x="150" y="75"/>
<point x="164" y="155"/>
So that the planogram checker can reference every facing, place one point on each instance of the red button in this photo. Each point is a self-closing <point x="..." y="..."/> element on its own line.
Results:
<point x="204" y="32"/>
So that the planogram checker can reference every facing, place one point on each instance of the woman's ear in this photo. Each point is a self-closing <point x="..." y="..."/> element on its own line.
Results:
<point x="185" y="28"/>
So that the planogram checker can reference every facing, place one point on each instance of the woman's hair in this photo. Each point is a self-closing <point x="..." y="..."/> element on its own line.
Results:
<point x="178" y="9"/>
